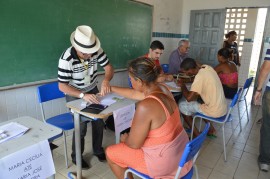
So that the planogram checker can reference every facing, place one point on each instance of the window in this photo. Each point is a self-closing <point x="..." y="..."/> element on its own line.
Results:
<point x="236" y="20"/>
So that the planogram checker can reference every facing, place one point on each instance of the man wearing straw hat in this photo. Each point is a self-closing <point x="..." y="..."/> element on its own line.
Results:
<point x="77" y="76"/>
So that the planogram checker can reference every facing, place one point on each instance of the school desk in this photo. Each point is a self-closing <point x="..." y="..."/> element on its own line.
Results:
<point x="76" y="107"/>
<point x="38" y="131"/>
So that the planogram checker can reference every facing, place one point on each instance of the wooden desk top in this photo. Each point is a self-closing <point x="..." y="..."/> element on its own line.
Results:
<point x="77" y="107"/>
<point x="38" y="131"/>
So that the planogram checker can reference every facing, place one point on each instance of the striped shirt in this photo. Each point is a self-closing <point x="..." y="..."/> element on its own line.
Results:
<point x="75" y="73"/>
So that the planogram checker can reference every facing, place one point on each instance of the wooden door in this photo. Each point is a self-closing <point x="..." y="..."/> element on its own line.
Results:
<point x="206" y="34"/>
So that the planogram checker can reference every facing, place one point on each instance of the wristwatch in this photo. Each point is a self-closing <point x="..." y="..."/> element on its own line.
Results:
<point x="81" y="95"/>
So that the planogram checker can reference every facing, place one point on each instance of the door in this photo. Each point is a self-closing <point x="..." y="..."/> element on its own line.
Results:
<point x="206" y="33"/>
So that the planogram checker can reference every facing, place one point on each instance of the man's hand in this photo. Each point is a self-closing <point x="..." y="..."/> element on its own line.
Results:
<point x="180" y="82"/>
<point x="91" y="98"/>
<point x="105" y="88"/>
<point x="257" y="97"/>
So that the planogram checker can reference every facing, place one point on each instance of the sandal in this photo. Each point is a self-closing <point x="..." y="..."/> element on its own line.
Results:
<point x="211" y="136"/>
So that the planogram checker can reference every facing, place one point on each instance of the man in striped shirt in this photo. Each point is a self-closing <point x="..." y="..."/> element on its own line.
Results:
<point x="264" y="157"/>
<point x="77" y="76"/>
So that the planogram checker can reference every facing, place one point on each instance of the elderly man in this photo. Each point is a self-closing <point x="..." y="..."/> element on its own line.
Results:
<point x="77" y="76"/>
<point x="264" y="157"/>
<point x="178" y="55"/>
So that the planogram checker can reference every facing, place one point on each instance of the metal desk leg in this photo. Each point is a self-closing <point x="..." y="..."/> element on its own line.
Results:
<point x="78" y="144"/>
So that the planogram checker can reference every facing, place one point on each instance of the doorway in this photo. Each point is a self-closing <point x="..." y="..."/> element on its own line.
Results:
<point x="249" y="25"/>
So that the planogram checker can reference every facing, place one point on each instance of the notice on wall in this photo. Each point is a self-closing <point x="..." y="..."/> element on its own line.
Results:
<point x="122" y="119"/>
<point x="34" y="162"/>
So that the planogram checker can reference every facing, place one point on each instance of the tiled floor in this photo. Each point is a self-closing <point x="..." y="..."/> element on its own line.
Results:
<point x="242" y="152"/>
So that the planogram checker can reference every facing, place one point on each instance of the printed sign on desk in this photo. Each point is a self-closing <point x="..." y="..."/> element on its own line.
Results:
<point x="34" y="162"/>
<point x="122" y="119"/>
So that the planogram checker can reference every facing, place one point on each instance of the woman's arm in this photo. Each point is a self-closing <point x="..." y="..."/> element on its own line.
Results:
<point x="128" y="93"/>
<point x="141" y="125"/>
<point x="218" y="68"/>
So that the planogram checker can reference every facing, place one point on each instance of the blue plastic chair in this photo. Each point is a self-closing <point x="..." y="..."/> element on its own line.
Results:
<point x="221" y="120"/>
<point x="242" y="97"/>
<point x="165" y="68"/>
<point x="64" y="121"/>
<point x="191" y="152"/>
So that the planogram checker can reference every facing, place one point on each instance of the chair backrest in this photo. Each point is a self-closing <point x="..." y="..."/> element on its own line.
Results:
<point x="233" y="103"/>
<point x="236" y="97"/>
<point x="246" y="88"/>
<point x="165" y="68"/>
<point x="49" y="92"/>
<point x="192" y="149"/>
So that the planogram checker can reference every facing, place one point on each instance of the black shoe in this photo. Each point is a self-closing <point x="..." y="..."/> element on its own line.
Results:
<point x="85" y="166"/>
<point x="101" y="157"/>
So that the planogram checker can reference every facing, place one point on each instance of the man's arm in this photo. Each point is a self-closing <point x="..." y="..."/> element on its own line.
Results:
<point x="69" y="90"/>
<point x="105" y="85"/>
<point x="189" y="95"/>
<point x="265" y="69"/>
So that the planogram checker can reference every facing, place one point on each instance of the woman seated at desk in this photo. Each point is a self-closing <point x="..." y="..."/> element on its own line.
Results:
<point x="227" y="73"/>
<point x="156" y="134"/>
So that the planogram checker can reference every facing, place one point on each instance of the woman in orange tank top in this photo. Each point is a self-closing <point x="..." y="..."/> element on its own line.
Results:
<point x="227" y="73"/>
<point x="157" y="136"/>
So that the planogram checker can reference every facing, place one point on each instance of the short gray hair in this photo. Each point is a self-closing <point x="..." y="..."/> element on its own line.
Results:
<point x="181" y="42"/>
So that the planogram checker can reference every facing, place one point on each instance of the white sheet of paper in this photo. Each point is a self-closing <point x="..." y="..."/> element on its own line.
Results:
<point x="122" y="119"/>
<point x="31" y="162"/>
<point x="109" y="99"/>
<point x="106" y="100"/>
<point x="172" y="84"/>
<point x="12" y="130"/>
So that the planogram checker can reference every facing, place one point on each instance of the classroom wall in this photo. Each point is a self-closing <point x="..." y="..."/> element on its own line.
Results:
<point x="171" y="18"/>
<point x="166" y="24"/>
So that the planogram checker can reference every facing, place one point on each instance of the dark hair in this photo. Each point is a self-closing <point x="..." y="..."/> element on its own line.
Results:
<point x="156" y="45"/>
<point x="143" y="68"/>
<point x="224" y="52"/>
<point x="188" y="63"/>
<point x="230" y="34"/>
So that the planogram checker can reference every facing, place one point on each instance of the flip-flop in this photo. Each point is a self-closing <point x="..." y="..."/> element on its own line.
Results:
<point x="211" y="136"/>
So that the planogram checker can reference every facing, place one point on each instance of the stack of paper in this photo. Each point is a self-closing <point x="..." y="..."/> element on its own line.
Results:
<point x="11" y="130"/>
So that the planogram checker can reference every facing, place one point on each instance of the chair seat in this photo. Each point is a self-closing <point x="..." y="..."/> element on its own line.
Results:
<point x="140" y="174"/>
<point x="187" y="176"/>
<point x="62" y="121"/>
<point x="218" y="119"/>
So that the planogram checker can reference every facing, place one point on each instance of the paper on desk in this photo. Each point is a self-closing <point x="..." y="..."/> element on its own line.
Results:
<point x="109" y="99"/>
<point x="172" y="84"/>
<point x="12" y="130"/>
<point x="106" y="100"/>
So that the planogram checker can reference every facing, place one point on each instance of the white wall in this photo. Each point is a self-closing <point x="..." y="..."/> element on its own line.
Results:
<point x="189" y="5"/>
<point x="166" y="18"/>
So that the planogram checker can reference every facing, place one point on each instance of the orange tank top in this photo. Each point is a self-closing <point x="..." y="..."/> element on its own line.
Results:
<point x="165" y="145"/>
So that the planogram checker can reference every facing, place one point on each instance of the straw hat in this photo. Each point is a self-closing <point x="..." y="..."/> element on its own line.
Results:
<point x="85" y="40"/>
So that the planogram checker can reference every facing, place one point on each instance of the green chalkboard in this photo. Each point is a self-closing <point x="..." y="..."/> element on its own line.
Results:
<point x="34" y="33"/>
